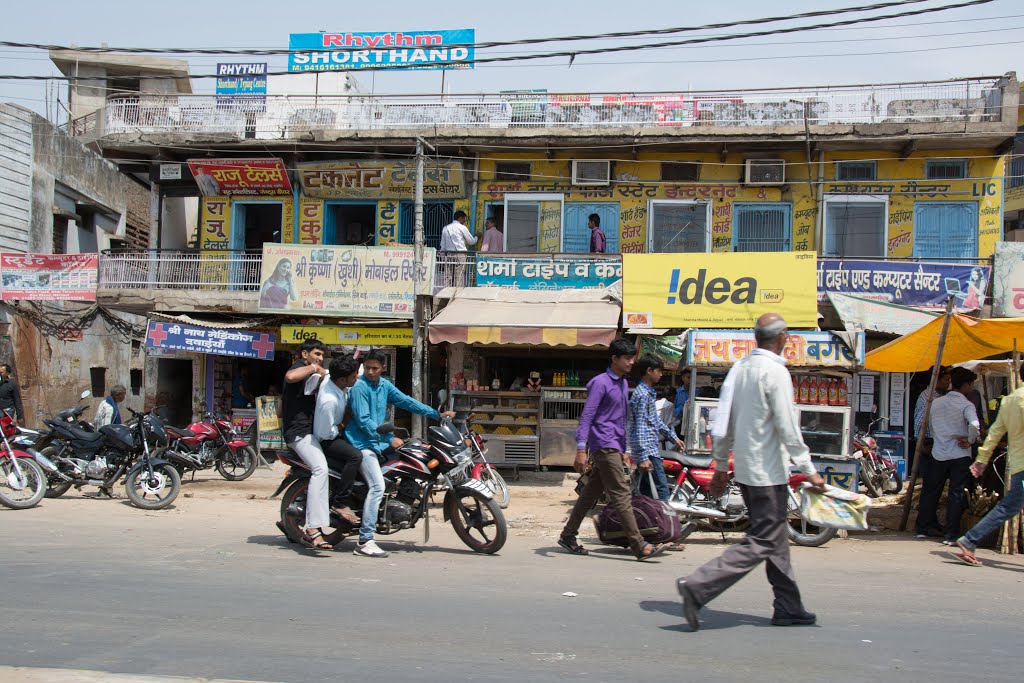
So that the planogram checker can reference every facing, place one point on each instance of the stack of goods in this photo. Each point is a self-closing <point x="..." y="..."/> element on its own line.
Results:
<point x="823" y="391"/>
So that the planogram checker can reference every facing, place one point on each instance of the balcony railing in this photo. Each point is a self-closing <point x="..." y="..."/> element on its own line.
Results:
<point x="180" y="269"/>
<point x="292" y="116"/>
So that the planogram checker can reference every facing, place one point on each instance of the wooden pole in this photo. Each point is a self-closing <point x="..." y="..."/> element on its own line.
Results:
<point x="919" y="447"/>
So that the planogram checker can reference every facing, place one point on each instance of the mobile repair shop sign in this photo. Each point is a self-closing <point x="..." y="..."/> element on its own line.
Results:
<point x="718" y="290"/>
<point x="389" y="49"/>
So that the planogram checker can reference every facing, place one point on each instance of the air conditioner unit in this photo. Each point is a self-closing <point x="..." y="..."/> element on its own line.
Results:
<point x="765" y="172"/>
<point x="586" y="172"/>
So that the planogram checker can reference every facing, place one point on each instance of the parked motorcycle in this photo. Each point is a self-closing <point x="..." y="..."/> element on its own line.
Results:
<point x="691" y="498"/>
<point x="41" y="438"/>
<point x="483" y="470"/>
<point x="22" y="481"/>
<point x="101" y="458"/>
<point x="878" y="472"/>
<point x="210" y="443"/>
<point x="411" y="474"/>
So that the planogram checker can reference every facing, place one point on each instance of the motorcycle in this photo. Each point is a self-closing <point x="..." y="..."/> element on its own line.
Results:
<point x="101" y="458"/>
<point x="40" y="439"/>
<point x="209" y="443"/>
<point x="22" y="481"/>
<point x="878" y="473"/>
<point x="691" y="498"/>
<point x="483" y="470"/>
<point x="411" y="474"/>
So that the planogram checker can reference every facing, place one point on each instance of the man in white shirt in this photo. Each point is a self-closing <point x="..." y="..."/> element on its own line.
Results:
<point x="954" y="425"/>
<point x="108" y="412"/>
<point x="757" y="421"/>
<point x="331" y="402"/>
<point x="455" y="238"/>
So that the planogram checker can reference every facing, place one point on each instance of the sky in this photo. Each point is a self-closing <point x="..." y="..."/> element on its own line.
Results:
<point x="977" y="41"/>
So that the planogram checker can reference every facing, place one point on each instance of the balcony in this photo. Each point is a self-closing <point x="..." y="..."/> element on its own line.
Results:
<point x="284" y="117"/>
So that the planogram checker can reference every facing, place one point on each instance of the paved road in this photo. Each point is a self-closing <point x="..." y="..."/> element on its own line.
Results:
<point x="211" y="589"/>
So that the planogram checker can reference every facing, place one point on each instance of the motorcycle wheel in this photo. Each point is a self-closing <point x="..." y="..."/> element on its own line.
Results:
<point x="869" y="476"/>
<point x="238" y="465"/>
<point x="496" y="483"/>
<point x="23" y="487"/>
<point x="802" y="532"/>
<point x="293" y="510"/>
<point x="156" y="492"/>
<point x="55" y="488"/>
<point x="471" y="526"/>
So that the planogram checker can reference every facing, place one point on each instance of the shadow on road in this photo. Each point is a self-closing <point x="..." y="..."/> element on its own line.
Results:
<point x="601" y="552"/>
<point x="710" y="619"/>
<point x="349" y="544"/>
<point x="947" y="557"/>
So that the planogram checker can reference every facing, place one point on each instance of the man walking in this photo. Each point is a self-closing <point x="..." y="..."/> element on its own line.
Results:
<point x="1009" y="423"/>
<point x="602" y="429"/>
<point x="954" y="422"/>
<point x="757" y="421"/>
<point x="10" y="394"/>
<point x="455" y="241"/>
<point x="647" y="430"/>
<point x="926" y="527"/>
<point x="598" y="242"/>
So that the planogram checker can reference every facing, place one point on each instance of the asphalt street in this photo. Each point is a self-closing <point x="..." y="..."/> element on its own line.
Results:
<point x="211" y="589"/>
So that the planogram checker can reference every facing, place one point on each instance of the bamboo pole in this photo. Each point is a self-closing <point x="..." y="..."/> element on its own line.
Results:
<point x="919" y="447"/>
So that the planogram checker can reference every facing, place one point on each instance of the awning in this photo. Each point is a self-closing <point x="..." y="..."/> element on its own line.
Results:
<point x="968" y="339"/>
<point x="861" y="315"/>
<point x="487" y="315"/>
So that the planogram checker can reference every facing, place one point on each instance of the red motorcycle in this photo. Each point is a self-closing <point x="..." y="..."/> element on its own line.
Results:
<point x="691" y="498"/>
<point x="210" y="443"/>
<point x="22" y="480"/>
<point x="878" y="472"/>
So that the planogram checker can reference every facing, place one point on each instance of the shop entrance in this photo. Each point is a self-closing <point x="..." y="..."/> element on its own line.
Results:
<point x="436" y="215"/>
<point x="174" y="389"/>
<point x="253" y="223"/>
<point x="350" y="223"/>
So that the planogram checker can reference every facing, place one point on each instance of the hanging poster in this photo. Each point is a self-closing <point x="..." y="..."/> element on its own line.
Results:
<point x="49" y="277"/>
<point x="920" y="284"/>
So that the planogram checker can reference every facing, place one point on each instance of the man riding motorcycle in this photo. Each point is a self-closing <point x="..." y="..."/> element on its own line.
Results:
<point x="369" y="399"/>
<point x="331" y="401"/>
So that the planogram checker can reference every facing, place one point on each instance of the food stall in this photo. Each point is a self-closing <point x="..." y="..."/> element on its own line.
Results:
<point x="816" y="359"/>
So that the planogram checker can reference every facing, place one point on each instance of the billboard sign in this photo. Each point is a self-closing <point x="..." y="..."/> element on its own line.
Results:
<point x="388" y="49"/>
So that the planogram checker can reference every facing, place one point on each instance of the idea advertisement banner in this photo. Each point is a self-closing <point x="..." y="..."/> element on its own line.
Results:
<point x="380" y="179"/>
<point x="339" y="335"/>
<point x="451" y="49"/>
<point x="918" y="284"/>
<point x="718" y="290"/>
<point x="1008" y="280"/>
<point x="711" y="348"/>
<point x="262" y="177"/>
<point x="214" y="341"/>
<point x="373" y="282"/>
<point x="48" y="277"/>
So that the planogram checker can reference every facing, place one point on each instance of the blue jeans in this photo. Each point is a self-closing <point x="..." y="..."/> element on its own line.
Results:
<point x="660" y="481"/>
<point x="1011" y="504"/>
<point x="375" y="482"/>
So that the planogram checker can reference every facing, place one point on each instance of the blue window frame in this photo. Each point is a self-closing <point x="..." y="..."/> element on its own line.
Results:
<point x="765" y="226"/>
<point x="945" y="169"/>
<point x="946" y="229"/>
<point x="856" y="170"/>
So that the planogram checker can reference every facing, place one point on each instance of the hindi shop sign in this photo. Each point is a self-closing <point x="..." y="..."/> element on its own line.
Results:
<point x="389" y="49"/>
<point x="921" y="285"/>
<point x="375" y="282"/>
<point x="718" y="290"/>
<point x="170" y="336"/>
<point x="377" y="179"/>
<point x="711" y="348"/>
<point x="546" y="273"/>
<point x="48" y="277"/>
<point x="261" y="177"/>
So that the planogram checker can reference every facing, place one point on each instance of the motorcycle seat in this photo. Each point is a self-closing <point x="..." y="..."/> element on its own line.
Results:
<point x="176" y="433"/>
<point x="81" y="435"/>
<point x="699" y="461"/>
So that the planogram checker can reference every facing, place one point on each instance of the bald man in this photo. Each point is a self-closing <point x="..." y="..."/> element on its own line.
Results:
<point x="757" y="421"/>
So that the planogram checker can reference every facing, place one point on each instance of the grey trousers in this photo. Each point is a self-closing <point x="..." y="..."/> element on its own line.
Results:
<point x="767" y="541"/>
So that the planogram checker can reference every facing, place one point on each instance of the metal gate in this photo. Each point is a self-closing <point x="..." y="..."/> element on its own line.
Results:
<point x="436" y="215"/>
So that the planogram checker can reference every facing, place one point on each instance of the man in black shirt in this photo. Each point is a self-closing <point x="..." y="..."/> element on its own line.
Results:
<point x="10" y="393"/>
<point x="298" y="405"/>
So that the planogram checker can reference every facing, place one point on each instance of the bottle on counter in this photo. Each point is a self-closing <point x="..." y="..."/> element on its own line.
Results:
<point x="844" y="395"/>
<point x="812" y="391"/>
<point x="805" y="390"/>
<point x="833" y="392"/>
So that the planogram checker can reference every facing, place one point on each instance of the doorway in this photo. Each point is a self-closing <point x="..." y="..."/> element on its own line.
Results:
<point x="436" y="215"/>
<point x="351" y="223"/>
<point x="174" y="389"/>
<point x="254" y="223"/>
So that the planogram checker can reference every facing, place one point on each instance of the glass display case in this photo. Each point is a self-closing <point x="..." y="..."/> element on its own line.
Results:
<point x="826" y="430"/>
<point x="700" y="418"/>
<point x="507" y="419"/>
<point x="561" y="408"/>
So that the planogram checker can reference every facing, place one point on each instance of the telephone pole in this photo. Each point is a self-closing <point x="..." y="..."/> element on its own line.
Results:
<point x="418" y="322"/>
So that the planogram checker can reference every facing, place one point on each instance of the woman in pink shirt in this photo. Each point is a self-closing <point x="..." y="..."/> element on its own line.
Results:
<point x="494" y="239"/>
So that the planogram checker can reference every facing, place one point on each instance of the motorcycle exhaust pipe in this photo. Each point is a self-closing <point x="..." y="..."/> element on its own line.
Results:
<point x="710" y="513"/>
<point x="43" y="461"/>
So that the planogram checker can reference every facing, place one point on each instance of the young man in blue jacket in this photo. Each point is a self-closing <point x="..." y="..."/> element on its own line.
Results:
<point x="368" y="400"/>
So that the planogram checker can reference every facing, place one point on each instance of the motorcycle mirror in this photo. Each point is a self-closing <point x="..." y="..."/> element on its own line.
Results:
<point x="386" y="428"/>
<point x="85" y="394"/>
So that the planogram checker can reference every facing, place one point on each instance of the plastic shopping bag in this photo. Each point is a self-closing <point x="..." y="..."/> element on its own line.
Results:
<point x="836" y="508"/>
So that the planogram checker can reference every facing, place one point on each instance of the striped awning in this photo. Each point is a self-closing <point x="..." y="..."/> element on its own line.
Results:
<point x="474" y="319"/>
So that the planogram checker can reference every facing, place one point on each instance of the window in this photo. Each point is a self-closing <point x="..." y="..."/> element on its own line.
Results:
<point x="1015" y="174"/>
<point x="856" y="170"/>
<point x="98" y="379"/>
<point x="533" y="223"/>
<point x="946" y="229"/>
<point x="136" y="381"/>
<point x="680" y="171"/>
<point x="855" y="227"/>
<point x="60" y="235"/>
<point x="678" y="227"/>
<point x="761" y="227"/>
<point x="512" y="171"/>
<point x="945" y="169"/>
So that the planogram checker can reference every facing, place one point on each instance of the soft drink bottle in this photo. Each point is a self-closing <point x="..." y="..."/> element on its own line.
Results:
<point x="844" y="397"/>
<point x="833" y="392"/>
<point x="805" y="389"/>
<point x="812" y="391"/>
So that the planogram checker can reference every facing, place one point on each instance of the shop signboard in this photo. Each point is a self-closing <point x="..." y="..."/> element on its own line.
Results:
<point x="452" y="49"/>
<point x="242" y="86"/>
<point x="258" y="177"/>
<point x="377" y="179"/>
<point x="841" y="474"/>
<point x="708" y="348"/>
<point x="717" y="290"/>
<point x="375" y="282"/>
<point x="214" y="341"/>
<point x="920" y="284"/>
<point x="48" y="277"/>
<point x="342" y="335"/>
<point x="268" y="424"/>
<point x="546" y="273"/>
<point x="1008" y="283"/>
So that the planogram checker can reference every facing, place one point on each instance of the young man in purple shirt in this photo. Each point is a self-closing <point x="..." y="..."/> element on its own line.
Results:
<point x="602" y="430"/>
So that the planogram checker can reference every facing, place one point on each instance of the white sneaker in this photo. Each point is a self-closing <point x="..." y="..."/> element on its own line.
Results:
<point x="369" y="549"/>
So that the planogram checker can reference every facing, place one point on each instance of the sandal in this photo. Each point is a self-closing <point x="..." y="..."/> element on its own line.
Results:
<point x="675" y="547"/>
<point x="315" y="540"/>
<point x="570" y="544"/>
<point x="969" y="560"/>
<point x="650" y="550"/>
<point x="347" y="515"/>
